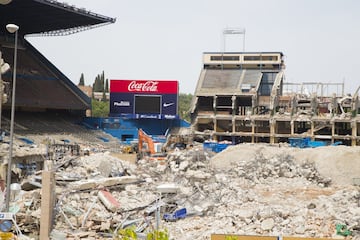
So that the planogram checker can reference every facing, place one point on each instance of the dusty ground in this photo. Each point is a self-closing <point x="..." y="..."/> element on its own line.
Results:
<point x="129" y="157"/>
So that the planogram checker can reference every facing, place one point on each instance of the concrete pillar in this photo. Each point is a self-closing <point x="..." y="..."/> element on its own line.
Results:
<point x="47" y="200"/>
<point x="312" y="130"/>
<point x="233" y="125"/>
<point x="332" y="131"/>
<point x="252" y="131"/>
<point x="354" y="133"/>
<point x="272" y="130"/>
<point x="214" y="104"/>
<point x="215" y="124"/>
<point x="233" y="106"/>
<point x="292" y="128"/>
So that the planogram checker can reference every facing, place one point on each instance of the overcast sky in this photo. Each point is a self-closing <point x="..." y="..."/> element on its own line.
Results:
<point x="164" y="39"/>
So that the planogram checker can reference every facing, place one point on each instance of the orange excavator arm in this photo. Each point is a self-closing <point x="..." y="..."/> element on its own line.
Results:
<point x="144" y="138"/>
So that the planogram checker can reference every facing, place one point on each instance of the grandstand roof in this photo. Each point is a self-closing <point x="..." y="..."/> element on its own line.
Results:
<point x="40" y="84"/>
<point x="49" y="17"/>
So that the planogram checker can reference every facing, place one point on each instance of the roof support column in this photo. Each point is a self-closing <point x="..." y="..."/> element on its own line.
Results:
<point x="272" y="123"/>
<point x="354" y="132"/>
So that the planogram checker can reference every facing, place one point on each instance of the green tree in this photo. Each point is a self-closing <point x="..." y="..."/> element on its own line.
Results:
<point x="102" y="82"/>
<point x="107" y="85"/>
<point x="100" y="108"/>
<point x="104" y="97"/>
<point x="97" y="84"/>
<point x="184" y="106"/>
<point x="82" y="80"/>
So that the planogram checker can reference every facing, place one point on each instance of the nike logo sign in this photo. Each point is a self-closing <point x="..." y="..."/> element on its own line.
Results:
<point x="168" y="104"/>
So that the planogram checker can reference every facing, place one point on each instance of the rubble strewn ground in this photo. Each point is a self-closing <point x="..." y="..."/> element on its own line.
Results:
<point x="248" y="189"/>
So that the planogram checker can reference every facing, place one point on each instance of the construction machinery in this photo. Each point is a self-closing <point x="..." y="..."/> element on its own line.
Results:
<point x="150" y="147"/>
<point x="178" y="138"/>
<point x="129" y="149"/>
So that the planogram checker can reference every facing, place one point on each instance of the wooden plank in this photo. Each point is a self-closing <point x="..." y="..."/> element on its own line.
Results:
<point x="47" y="203"/>
<point x="304" y="238"/>
<point x="244" y="237"/>
<point x="240" y="237"/>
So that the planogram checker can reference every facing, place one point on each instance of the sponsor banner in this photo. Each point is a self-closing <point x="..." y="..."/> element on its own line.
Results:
<point x="168" y="116"/>
<point x="145" y="116"/>
<point x="124" y="103"/>
<point x="148" y="116"/>
<point x="169" y="104"/>
<point x="121" y="103"/>
<point x="144" y="86"/>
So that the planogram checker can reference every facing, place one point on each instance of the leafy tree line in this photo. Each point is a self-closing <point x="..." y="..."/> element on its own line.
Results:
<point x="100" y="85"/>
<point x="101" y="108"/>
<point x="184" y="106"/>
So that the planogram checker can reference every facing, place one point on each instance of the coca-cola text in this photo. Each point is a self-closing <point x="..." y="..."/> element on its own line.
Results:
<point x="148" y="86"/>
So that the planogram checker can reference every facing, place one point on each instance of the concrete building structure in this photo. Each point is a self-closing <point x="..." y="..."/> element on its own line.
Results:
<point x="243" y="97"/>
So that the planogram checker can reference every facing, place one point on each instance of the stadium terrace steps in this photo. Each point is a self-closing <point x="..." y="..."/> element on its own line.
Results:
<point x="227" y="79"/>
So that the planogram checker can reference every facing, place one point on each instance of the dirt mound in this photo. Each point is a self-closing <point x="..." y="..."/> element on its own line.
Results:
<point x="340" y="163"/>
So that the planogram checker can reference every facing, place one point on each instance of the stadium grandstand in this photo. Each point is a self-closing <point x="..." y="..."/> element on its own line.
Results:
<point x="242" y="97"/>
<point x="42" y="90"/>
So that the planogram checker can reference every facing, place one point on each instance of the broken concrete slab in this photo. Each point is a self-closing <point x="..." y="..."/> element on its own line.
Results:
<point x="103" y="182"/>
<point x="108" y="200"/>
<point x="168" y="188"/>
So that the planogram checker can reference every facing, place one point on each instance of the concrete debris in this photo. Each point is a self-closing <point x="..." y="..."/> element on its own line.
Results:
<point x="102" y="182"/>
<point x="245" y="189"/>
<point x="267" y="224"/>
<point x="108" y="200"/>
<point x="167" y="188"/>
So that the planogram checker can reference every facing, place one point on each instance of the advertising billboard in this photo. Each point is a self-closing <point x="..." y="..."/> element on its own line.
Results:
<point x="156" y="99"/>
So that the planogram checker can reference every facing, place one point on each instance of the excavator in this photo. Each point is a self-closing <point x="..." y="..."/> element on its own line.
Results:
<point x="147" y="147"/>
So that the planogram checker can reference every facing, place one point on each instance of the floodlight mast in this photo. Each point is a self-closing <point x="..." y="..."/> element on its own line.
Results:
<point x="229" y="31"/>
<point x="233" y="31"/>
<point x="12" y="28"/>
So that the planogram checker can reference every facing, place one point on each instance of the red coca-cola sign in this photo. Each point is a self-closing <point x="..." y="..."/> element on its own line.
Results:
<point x="144" y="86"/>
<point x="148" y="86"/>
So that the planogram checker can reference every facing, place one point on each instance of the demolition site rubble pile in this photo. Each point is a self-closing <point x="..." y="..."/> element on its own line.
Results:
<point x="275" y="190"/>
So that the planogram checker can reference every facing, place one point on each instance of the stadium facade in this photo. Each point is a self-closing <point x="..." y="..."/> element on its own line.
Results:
<point x="243" y="97"/>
